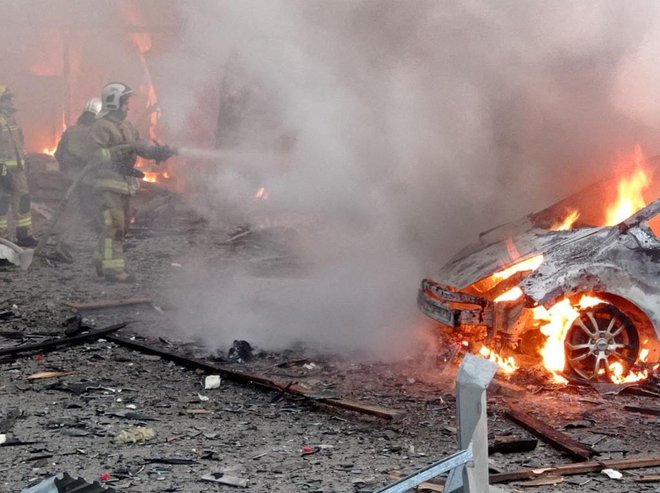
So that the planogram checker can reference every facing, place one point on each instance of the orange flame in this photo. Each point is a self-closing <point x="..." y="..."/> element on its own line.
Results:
<point x="567" y="223"/>
<point x="531" y="263"/>
<point x="511" y="295"/>
<point x="527" y="265"/>
<point x="630" y="190"/>
<point x="151" y="177"/>
<point x="630" y="199"/>
<point x="133" y="17"/>
<point x="143" y="42"/>
<point x="262" y="194"/>
<point x="617" y="375"/>
<point x="47" y="143"/>
<point x="506" y="365"/>
<point x="555" y="323"/>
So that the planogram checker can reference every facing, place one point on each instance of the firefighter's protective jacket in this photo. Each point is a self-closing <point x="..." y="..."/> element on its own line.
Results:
<point x="75" y="149"/>
<point x="14" y="192"/>
<point x="12" y="151"/>
<point x="108" y="133"/>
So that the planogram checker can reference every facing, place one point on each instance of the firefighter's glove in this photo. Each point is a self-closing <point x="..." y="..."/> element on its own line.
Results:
<point x="126" y="170"/>
<point x="161" y="153"/>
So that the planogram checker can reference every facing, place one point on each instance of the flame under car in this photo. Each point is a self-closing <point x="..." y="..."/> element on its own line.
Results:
<point x="606" y="279"/>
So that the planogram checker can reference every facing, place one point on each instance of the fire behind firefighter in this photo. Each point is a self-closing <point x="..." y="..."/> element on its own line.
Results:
<point x="73" y="153"/>
<point x="118" y="144"/>
<point x="14" y="191"/>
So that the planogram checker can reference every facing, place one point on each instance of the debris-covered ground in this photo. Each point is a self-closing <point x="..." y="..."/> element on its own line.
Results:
<point x="261" y="439"/>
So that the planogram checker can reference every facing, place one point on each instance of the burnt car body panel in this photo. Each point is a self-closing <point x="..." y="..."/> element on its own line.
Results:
<point x="621" y="260"/>
<point x="453" y="308"/>
<point x="486" y="257"/>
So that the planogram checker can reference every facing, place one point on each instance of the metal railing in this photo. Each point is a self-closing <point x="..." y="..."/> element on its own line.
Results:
<point x="468" y="468"/>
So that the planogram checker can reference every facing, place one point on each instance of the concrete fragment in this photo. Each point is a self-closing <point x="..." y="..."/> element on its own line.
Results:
<point x="15" y="254"/>
<point x="612" y="473"/>
<point x="135" y="435"/>
<point x="212" y="382"/>
<point x="222" y="478"/>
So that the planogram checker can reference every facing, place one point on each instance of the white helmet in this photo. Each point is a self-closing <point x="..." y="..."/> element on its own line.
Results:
<point x="93" y="106"/>
<point x="112" y="95"/>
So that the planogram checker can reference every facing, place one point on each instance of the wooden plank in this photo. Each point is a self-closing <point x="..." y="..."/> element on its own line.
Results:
<point x="580" y="468"/>
<point x="17" y="443"/>
<point x="648" y="478"/>
<point x="62" y="341"/>
<point x="655" y="411"/>
<point x="548" y="434"/>
<point x="359" y="407"/>
<point x="101" y="304"/>
<point x="267" y="383"/>
<point x="640" y="391"/>
<point x="49" y="374"/>
<point x="543" y="481"/>
<point x="436" y="484"/>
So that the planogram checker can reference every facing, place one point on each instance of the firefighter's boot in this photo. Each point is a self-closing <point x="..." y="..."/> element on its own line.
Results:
<point x="119" y="277"/>
<point x="64" y="253"/>
<point x="24" y="238"/>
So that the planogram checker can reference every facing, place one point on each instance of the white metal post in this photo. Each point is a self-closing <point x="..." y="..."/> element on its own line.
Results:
<point x="474" y="376"/>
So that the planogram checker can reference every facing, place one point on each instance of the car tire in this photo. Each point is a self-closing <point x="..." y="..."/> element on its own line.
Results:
<point x="601" y="336"/>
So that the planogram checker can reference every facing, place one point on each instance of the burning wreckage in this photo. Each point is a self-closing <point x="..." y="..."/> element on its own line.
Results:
<point x="585" y="298"/>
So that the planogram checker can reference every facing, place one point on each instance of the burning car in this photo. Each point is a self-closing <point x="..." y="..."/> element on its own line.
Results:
<point x="585" y="296"/>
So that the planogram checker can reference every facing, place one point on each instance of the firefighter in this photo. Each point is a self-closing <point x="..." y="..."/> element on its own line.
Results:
<point x="118" y="145"/>
<point x="74" y="151"/>
<point x="14" y="191"/>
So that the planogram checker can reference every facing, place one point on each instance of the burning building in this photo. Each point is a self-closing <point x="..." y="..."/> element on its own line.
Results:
<point x="583" y="277"/>
<point x="71" y="50"/>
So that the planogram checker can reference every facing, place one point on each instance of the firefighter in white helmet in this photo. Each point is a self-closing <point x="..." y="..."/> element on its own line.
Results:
<point x="118" y="145"/>
<point x="74" y="151"/>
<point x="14" y="192"/>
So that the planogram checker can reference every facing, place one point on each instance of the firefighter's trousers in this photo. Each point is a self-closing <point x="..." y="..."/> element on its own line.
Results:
<point x="113" y="220"/>
<point x="14" y="195"/>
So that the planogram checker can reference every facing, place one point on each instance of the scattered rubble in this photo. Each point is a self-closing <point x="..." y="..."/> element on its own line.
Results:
<point x="65" y="483"/>
<point x="578" y="451"/>
<point x="290" y="421"/>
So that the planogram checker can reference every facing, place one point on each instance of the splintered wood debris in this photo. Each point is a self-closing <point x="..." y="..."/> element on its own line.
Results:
<point x="561" y="441"/>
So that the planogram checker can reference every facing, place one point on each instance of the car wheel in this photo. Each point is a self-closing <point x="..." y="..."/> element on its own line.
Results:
<point x="600" y="336"/>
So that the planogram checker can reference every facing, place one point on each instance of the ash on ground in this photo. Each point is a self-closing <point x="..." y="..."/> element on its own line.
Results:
<point x="276" y="441"/>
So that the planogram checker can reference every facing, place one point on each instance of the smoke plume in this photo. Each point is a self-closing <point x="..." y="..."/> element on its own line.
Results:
<point x="399" y="130"/>
<point x="417" y="125"/>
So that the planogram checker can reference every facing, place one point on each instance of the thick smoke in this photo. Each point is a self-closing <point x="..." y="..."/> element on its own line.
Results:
<point x="399" y="129"/>
<point x="417" y="124"/>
